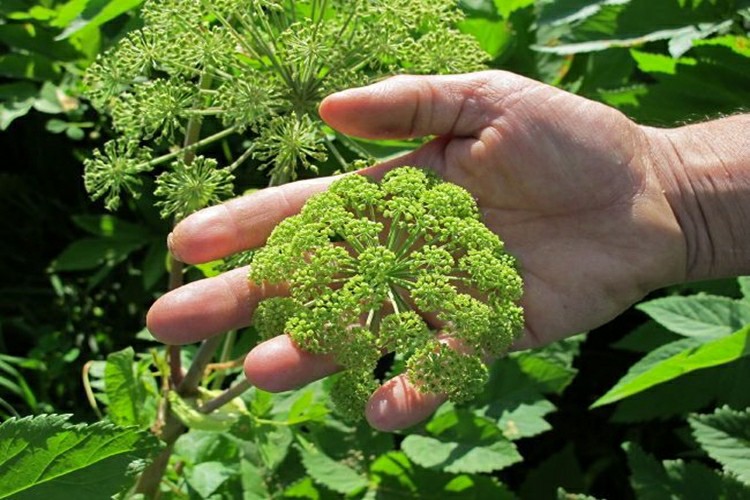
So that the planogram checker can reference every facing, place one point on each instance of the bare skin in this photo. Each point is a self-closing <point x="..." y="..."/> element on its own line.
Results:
<point x="599" y="211"/>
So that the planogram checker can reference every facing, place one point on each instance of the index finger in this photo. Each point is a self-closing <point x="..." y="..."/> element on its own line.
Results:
<point x="241" y="223"/>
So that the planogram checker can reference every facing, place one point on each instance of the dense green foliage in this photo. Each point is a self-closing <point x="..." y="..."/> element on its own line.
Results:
<point x="667" y="380"/>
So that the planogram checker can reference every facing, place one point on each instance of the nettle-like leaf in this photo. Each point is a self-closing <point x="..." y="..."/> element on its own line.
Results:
<point x="701" y="316"/>
<point x="332" y="474"/>
<point x="713" y="79"/>
<point x="725" y="436"/>
<point x="130" y="392"/>
<point x="207" y="477"/>
<point x="677" y="359"/>
<point x="46" y="457"/>
<point x="513" y="399"/>
<point x="459" y="441"/>
<point x="654" y="480"/>
<point x="393" y="475"/>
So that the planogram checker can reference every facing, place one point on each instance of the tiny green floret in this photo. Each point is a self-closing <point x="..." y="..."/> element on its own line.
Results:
<point x="365" y="261"/>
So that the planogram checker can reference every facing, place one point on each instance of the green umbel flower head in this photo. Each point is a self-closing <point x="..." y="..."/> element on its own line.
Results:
<point x="365" y="261"/>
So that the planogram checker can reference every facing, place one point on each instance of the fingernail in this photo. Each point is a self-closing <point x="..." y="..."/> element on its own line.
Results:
<point x="170" y="245"/>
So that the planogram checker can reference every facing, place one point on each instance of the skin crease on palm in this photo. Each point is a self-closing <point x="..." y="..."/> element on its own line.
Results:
<point x="571" y="186"/>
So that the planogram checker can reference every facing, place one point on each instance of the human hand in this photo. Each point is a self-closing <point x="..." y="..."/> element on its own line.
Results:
<point x="570" y="185"/>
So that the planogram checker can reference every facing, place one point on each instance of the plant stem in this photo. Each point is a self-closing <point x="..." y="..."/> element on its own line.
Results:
<point x="226" y="396"/>
<point x="194" y="375"/>
<point x="226" y="353"/>
<point x="193" y="147"/>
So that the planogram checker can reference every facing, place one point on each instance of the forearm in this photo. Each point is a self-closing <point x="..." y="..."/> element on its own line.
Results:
<point x="705" y="173"/>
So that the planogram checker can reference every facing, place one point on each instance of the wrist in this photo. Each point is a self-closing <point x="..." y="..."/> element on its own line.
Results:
<point x="704" y="171"/>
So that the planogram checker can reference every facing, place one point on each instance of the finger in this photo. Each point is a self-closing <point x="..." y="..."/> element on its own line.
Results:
<point x="397" y="405"/>
<point x="207" y="307"/>
<point x="239" y="224"/>
<point x="418" y="106"/>
<point x="279" y="365"/>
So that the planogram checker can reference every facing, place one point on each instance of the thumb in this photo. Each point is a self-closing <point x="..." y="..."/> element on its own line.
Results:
<point x="415" y="106"/>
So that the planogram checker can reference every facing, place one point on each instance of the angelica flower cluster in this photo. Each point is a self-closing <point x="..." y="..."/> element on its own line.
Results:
<point x="366" y="261"/>
<point x="257" y="67"/>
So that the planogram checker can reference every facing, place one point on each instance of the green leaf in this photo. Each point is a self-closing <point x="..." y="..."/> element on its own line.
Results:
<point x="551" y="367"/>
<point x="91" y="253"/>
<point x="154" y="266"/>
<point x="207" y="477"/>
<point x="125" y="390"/>
<point x="495" y="37"/>
<point x="45" y="456"/>
<point x="28" y="67"/>
<point x="109" y="226"/>
<point x="393" y="476"/>
<point x="689" y="357"/>
<point x="646" y="337"/>
<point x="330" y="473"/>
<point x="34" y="38"/>
<point x="253" y="484"/>
<point x="605" y="24"/>
<point x="462" y="442"/>
<point x="744" y="282"/>
<point x="273" y="442"/>
<point x="513" y="400"/>
<point x="701" y="316"/>
<point x="98" y="12"/>
<point x="648" y="477"/>
<point x="560" y="469"/>
<point x="725" y="436"/>
<point x="673" y="479"/>
<point x="718" y="84"/>
<point x="16" y="99"/>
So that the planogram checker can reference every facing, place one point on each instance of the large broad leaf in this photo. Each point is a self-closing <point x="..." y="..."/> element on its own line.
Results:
<point x="679" y="358"/>
<point x="332" y="474"/>
<point x="714" y="80"/>
<point x="725" y="436"/>
<point x="46" y="457"/>
<point x="93" y="13"/>
<point x="703" y="316"/>
<point x="461" y="442"/>
<point x="90" y="253"/>
<point x="592" y="26"/>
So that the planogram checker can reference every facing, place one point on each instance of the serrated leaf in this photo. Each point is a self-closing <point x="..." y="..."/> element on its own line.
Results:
<point x="461" y="442"/>
<point x="46" y="452"/>
<point x="725" y="436"/>
<point x="207" y="477"/>
<point x="125" y="394"/>
<point x="688" y="359"/>
<point x="654" y="480"/>
<point x="513" y="400"/>
<point x="273" y="444"/>
<point x="393" y="476"/>
<point x="330" y="473"/>
<point x="701" y="316"/>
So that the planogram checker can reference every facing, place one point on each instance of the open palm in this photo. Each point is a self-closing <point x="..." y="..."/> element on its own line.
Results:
<point x="568" y="184"/>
